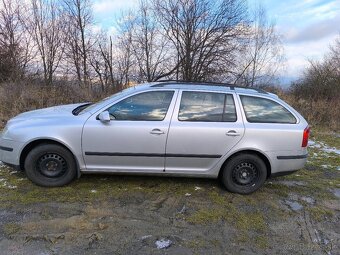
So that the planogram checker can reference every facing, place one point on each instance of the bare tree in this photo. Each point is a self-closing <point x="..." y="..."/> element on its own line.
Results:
<point x="321" y="80"/>
<point x="16" y="49"/>
<point x="262" y="54"/>
<point x="106" y="51"/>
<point x="102" y="61"/>
<point x="150" y="47"/>
<point x="204" y="34"/>
<point x="79" y="19"/>
<point x="335" y="55"/>
<point x="125" y="60"/>
<point x="193" y="40"/>
<point x="47" y="27"/>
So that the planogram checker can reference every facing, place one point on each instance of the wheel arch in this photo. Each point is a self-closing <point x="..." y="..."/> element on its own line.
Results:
<point x="32" y="144"/>
<point x="249" y="151"/>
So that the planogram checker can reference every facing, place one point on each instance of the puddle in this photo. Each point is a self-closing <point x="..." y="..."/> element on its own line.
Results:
<point x="336" y="192"/>
<point x="295" y="206"/>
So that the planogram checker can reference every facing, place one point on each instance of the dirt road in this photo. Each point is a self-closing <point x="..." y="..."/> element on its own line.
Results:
<point x="297" y="214"/>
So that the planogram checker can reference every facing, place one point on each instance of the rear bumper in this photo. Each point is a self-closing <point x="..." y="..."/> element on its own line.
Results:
<point x="283" y="164"/>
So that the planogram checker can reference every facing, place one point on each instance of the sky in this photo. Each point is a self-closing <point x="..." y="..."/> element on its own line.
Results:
<point x="307" y="27"/>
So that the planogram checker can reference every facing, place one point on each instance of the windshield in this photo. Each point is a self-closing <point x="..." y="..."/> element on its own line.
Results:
<point x="106" y="100"/>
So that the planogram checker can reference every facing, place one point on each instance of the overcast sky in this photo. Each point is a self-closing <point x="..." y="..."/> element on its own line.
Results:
<point x="307" y="26"/>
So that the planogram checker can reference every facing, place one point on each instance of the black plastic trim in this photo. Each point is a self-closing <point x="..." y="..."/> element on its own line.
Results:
<point x="293" y="157"/>
<point x="6" y="148"/>
<point x="192" y="156"/>
<point x="112" y="154"/>
<point x="88" y="153"/>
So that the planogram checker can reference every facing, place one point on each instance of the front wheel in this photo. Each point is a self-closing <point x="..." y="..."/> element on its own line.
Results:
<point x="244" y="173"/>
<point x="50" y="165"/>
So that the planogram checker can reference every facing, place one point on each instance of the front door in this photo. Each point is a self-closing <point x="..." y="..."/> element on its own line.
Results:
<point x="134" y="140"/>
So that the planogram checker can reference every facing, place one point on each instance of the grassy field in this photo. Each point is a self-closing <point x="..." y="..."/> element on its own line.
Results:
<point x="296" y="214"/>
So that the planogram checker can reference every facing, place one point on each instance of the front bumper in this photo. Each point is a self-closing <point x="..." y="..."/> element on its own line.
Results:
<point x="10" y="151"/>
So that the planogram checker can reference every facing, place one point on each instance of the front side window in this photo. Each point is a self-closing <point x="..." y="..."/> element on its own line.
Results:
<point x="147" y="106"/>
<point x="261" y="110"/>
<point x="207" y="107"/>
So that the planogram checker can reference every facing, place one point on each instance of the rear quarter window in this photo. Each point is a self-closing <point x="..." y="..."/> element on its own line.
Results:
<point x="262" y="110"/>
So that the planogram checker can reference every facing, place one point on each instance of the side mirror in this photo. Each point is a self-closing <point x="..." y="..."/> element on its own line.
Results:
<point x="104" y="117"/>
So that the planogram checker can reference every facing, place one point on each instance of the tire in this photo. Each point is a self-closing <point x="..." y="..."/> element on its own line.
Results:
<point x="244" y="174"/>
<point x="50" y="165"/>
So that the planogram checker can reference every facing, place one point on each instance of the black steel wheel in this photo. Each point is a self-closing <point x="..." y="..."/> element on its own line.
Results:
<point x="244" y="173"/>
<point x="50" y="165"/>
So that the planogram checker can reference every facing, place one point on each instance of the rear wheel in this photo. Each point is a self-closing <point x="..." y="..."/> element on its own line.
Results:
<point x="244" y="173"/>
<point x="50" y="165"/>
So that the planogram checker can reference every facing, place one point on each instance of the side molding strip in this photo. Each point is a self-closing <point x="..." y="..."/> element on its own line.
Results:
<point x="293" y="157"/>
<point x="114" y="154"/>
<point x="6" y="148"/>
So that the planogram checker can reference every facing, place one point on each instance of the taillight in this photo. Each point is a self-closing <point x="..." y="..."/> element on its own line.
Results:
<point x="305" y="136"/>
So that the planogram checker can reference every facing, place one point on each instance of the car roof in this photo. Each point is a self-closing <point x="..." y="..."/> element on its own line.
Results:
<point x="209" y="86"/>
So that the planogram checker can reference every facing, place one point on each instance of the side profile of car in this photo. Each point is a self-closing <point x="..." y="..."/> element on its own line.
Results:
<point x="242" y="136"/>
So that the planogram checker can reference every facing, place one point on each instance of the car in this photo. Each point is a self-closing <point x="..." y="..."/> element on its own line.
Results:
<point x="240" y="135"/>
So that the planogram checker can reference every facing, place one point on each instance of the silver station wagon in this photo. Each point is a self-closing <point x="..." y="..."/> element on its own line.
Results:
<point x="242" y="136"/>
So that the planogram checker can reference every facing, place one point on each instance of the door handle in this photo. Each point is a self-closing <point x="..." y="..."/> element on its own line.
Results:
<point x="157" y="131"/>
<point x="232" y="133"/>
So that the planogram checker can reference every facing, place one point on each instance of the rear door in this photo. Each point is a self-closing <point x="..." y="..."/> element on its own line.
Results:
<point x="204" y="127"/>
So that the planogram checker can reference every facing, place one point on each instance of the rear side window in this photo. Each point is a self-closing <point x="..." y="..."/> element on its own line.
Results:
<point x="261" y="110"/>
<point x="207" y="107"/>
<point x="148" y="106"/>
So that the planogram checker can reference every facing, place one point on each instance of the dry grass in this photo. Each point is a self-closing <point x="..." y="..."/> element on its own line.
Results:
<point x="320" y="113"/>
<point x="23" y="96"/>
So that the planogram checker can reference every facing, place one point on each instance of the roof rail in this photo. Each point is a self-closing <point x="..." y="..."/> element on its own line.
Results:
<point x="217" y="84"/>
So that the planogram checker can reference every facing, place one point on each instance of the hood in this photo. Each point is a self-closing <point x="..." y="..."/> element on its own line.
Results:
<point x="46" y="118"/>
<point x="50" y="112"/>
